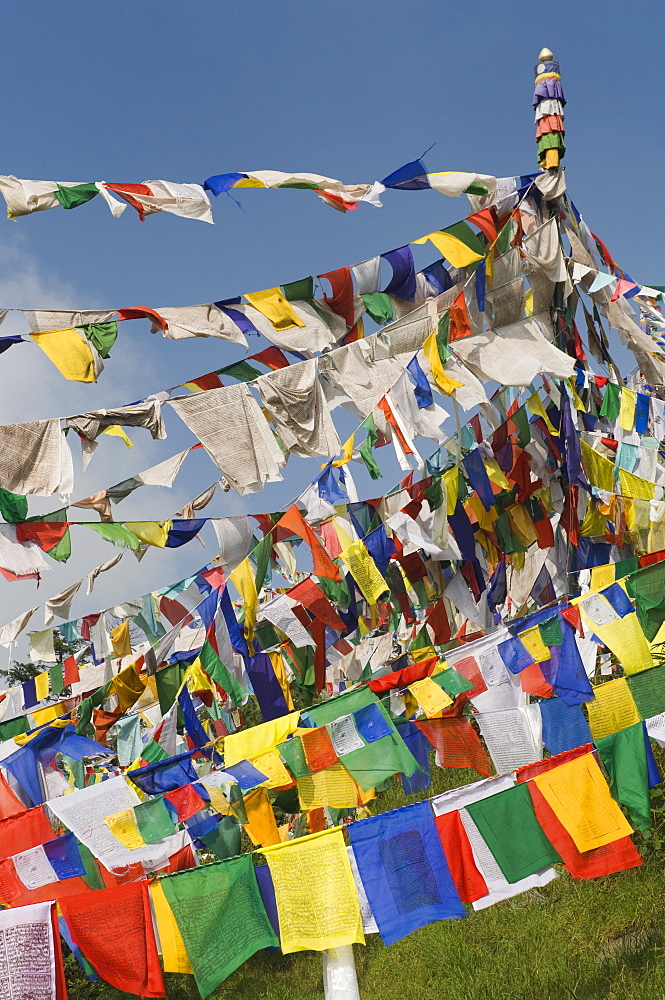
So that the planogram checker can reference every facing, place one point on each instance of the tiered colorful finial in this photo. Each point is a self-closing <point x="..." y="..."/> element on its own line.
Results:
<point x="549" y="101"/>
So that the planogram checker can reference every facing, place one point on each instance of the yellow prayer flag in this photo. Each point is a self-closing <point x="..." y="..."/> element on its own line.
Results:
<point x="431" y="698"/>
<point x="536" y="406"/>
<point x="315" y="913"/>
<point x="602" y="576"/>
<point x="48" y="714"/>
<point x="431" y="351"/>
<point x="343" y="536"/>
<point x="333" y="787"/>
<point x="364" y="571"/>
<point x="270" y="764"/>
<point x="122" y="645"/>
<point x="70" y="353"/>
<point x="128" y="685"/>
<point x="174" y="953"/>
<point x="528" y="302"/>
<point x="534" y="645"/>
<point x="612" y="709"/>
<point x="279" y="668"/>
<point x="495" y="473"/>
<point x="262" y="825"/>
<point x="347" y="453"/>
<point x="272" y="304"/>
<point x="114" y="430"/>
<point x="150" y="532"/>
<point x="627" y="408"/>
<point x="451" y="480"/>
<point x="634" y="486"/>
<point x="242" y="579"/>
<point x="579" y="796"/>
<point x="251" y="742"/>
<point x="450" y="247"/>
<point x="594" y="523"/>
<point x="123" y="827"/>
<point x="599" y="470"/>
<point x="42" y="685"/>
<point x="624" y="636"/>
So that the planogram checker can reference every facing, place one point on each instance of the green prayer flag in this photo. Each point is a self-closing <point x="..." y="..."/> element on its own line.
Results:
<point x="299" y="291"/>
<point x="452" y="682"/>
<point x="521" y="420"/>
<point x="241" y="371"/>
<point x="56" y="679"/>
<point x="102" y="335"/>
<point x="462" y="231"/>
<point x="221" y="916"/>
<point x="625" y="758"/>
<point x="503" y="241"/>
<point x="366" y="448"/>
<point x="152" y="752"/>
<point x="422" y="640"/>
<point x="293" y="755"/>
<point x="168" y="681"/>
<point x="92" y="877"/>
<point x="379" y="306"/>
<point x="95" y="700"/>
<point x="648" y="691"/>
<point x="647" y="588"/>
<point x="225" y="840"/>
<point x="378" y="760"/>
<point x="550" y="631"/>
<point x="336" y="591"/>
<point x="261" y="552"/>
<point x="624" y="567"/>
<point x="218" y="672"/>
<point x="14" y="727"/>
<point x="117" y="534"/>
<point x="611" y="402"/>
<point x="508" y="825"/>
<point x="78" y="194"/>
<point x="154" y="820"/>
<point x="434" y="493"/>
<point x="13" y="506"/>
<point x="266" y="635"/>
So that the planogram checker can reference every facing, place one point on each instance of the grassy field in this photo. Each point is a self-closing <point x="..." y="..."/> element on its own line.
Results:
<point x="595" y="940"/>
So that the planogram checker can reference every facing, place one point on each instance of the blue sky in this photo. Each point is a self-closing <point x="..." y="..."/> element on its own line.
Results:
<point x="352" y="90"/>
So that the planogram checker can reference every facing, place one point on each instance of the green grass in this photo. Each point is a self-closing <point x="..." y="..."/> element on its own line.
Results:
<point x="572" y="940"/>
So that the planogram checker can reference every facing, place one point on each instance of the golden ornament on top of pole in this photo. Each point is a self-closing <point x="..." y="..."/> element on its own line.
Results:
<point x="549" y="102"/>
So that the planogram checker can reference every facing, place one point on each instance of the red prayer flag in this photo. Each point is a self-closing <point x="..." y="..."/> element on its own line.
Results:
<point x="296" y="523"/>
<point x="272" y="357"/>
<point x="45" y="534"/>
<point x="341" y="300"/>
<point x="23" y="831"/>
<point x="10" y="804"/>
<point x="186" y="801"/>
<point x="113" y="929"/>
<point x="485" y="221"/>
<point x="142" y="312"/>
<point x="460" y="325"/>
<point x="469" y="882"/>
<point x="319" y="750"/>
<point x="309" y="594"/>
<point x="456" y="742"/>
<point x="127" y="190"/>
<point x="402" y="678"/>
<point x="71" y="670"/>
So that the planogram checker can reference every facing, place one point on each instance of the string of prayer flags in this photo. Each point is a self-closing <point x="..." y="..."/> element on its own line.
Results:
<point x="404" y="871"/>
<point x="315" y="914"/>
<point x="221" y="918"/>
